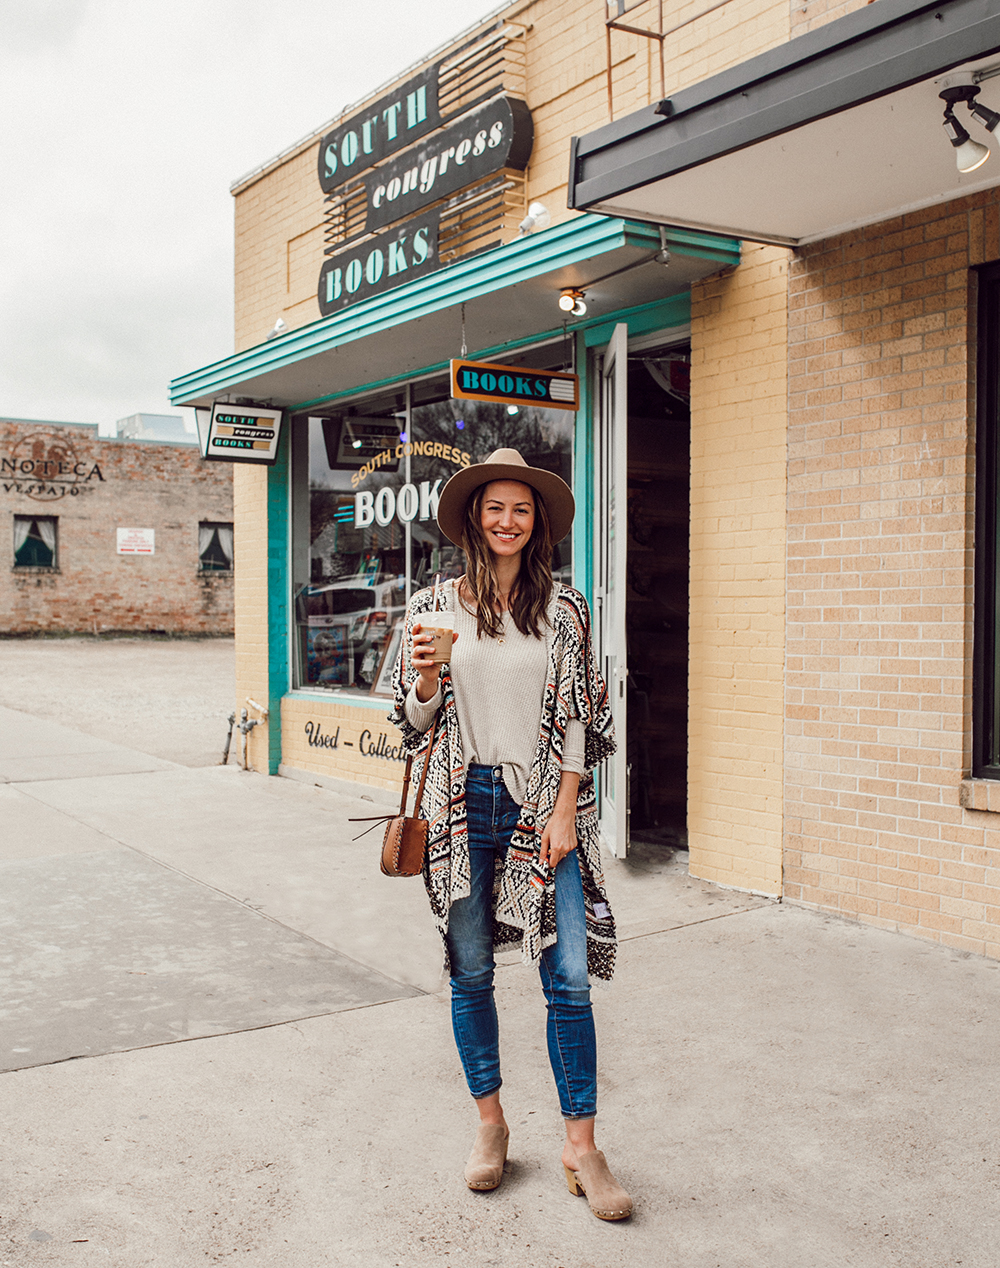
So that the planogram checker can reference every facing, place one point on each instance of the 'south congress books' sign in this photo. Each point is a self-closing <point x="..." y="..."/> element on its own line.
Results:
<point x="408" y="113"/>
<point x="243" y="433"/>
<point x="381" y="262"/>
<point x="497" y="135"/>
<point x="380" y="130"/>
<point x="511" y="385"/>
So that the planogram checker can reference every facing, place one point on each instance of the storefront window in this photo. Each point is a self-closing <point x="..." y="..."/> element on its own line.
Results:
<point x="375" y="472"/>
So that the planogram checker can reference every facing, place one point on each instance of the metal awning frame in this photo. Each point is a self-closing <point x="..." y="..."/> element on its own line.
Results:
<point x="864" y="55"/>
<point x="573" y="242"/>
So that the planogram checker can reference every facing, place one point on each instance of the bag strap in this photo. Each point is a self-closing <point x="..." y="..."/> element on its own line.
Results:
<point x="423" y="773"/>
<point x="374" y="819"/>
<point x="406" y="783"/>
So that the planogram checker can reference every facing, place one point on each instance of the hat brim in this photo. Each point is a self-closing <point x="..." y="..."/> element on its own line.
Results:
<point x="559" y="502"/>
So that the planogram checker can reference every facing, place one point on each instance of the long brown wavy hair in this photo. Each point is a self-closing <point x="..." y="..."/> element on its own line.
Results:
<point x="530" y="595"/>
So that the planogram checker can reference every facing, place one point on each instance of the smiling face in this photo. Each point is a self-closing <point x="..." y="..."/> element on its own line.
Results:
<point x="507" y="516"/>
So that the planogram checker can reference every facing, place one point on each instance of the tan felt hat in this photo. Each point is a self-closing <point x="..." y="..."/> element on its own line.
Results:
<point x="504" y="464"/>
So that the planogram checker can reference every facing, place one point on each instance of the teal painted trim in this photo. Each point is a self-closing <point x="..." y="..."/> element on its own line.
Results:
<point x="525" y="258"/>
<point x="661" y="313"/>
<point x="583" y="476"/>
<point x="647" y="318"/>
<point x="279" y="527"/>
<point x="379" y="703"/>
<point x="694" y="242"/>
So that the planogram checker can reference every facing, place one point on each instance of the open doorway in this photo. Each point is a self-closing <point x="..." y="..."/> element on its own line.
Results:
<point x="656" y="601"/>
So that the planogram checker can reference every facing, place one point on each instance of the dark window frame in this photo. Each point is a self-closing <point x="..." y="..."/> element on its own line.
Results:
<point x="215" y="568"/>
<point x="986" y="638"/>
<point x="35" y="567"/>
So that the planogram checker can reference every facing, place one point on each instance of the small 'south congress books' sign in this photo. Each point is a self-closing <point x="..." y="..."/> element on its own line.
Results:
<point x="511" y="385"/>
<point x="243" y="433"/>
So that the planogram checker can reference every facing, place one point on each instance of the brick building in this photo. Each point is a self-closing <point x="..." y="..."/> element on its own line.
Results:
<point x="112" y="535"/>
<point x="785" y="314"/>
<point x="863" y="352"/>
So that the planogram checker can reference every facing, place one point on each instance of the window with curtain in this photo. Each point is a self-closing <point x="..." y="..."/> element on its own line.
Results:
<point x="215" y="547"/>
<point x="35" y="541"/>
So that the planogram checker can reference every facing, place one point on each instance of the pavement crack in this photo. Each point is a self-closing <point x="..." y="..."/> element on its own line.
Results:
<point x="687" y="924"/>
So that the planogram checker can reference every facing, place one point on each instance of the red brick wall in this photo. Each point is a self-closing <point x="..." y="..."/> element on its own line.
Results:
<point x="168" y="488"/>
<point x="879" y="579"/>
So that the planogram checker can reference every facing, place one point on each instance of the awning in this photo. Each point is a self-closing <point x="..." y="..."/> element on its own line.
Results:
<point x="510" y="294"/>
<point x="835" y="129"/>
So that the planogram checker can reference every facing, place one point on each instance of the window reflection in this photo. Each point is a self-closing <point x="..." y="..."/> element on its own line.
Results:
<point x="375" y="472"/>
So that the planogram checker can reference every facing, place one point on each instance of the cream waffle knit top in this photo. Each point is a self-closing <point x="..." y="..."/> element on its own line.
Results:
<point x="499" y="684"/>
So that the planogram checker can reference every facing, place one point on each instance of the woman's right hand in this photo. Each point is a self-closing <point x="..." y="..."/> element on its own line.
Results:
<point x="421" y="651"/>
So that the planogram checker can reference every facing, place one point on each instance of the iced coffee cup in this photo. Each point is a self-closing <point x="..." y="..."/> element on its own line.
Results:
<point x="442" y="626"/>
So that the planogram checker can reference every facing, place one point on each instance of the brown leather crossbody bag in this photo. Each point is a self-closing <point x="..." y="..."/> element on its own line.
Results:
<point x="405" y="842"/>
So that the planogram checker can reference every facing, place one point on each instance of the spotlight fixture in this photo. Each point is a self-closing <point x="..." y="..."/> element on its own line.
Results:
<point x="279" y="328"/>
<point x="988" y="118"/>
<point x="571" y="301"/>
<point x="969" y="154"/>
<point x="513" y="409"/>
<point x="538" y="217"/>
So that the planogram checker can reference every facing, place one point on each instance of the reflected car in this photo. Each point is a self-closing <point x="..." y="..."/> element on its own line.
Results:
<point x="341" y="622"/>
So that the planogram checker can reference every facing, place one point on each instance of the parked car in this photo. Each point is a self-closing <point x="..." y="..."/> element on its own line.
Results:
<point x="344" y="625"/>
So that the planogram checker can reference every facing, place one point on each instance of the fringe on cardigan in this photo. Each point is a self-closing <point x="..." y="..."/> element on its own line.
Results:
<point x="524" y="891"/>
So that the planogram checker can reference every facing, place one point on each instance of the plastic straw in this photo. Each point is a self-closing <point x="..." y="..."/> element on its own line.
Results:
<point x="437" y="578"/>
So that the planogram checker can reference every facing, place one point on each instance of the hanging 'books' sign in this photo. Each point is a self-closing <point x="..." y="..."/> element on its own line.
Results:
<point x="511" y="385"/>
<point x="243" y="433"/>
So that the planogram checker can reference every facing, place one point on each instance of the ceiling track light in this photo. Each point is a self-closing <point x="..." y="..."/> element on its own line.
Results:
<point x="571" y="301"/>
<point x="969" y="154"/>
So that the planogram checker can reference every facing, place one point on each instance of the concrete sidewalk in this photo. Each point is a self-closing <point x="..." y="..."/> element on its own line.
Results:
<point x="271" y="1076"/>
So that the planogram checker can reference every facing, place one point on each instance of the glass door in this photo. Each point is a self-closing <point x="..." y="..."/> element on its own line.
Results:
<point x="610" y="558"/>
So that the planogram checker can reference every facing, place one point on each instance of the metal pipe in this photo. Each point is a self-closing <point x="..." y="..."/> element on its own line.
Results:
<point x="245" y="726"/>
<point x="229" y="739"/>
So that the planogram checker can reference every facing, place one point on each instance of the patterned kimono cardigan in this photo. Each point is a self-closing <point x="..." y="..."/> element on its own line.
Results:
<point x="524" y="909"/>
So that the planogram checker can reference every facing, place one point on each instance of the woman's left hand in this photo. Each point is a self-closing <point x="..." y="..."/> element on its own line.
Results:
<point x="559" y="834"/>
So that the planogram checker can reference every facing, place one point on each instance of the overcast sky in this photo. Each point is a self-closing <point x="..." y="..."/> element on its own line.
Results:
<point x="123" y="124"/>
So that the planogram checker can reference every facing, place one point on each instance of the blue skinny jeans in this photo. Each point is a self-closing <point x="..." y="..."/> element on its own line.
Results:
<point x="572" y="1042"/>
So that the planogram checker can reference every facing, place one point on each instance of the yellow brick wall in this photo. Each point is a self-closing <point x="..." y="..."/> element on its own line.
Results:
<point x="250" y="547"/>
<point x="279" y="214"/>
<point x="346" y="741"/>
<point x="881" y="822"/>
<point x="807" y="15"/>
<point x="272" y="217"/>
<point x="739" y="335"/>
<point x="738" y="424"/>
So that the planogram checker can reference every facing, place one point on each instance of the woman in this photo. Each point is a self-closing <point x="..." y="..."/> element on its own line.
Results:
<point x="513" y="856"/>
